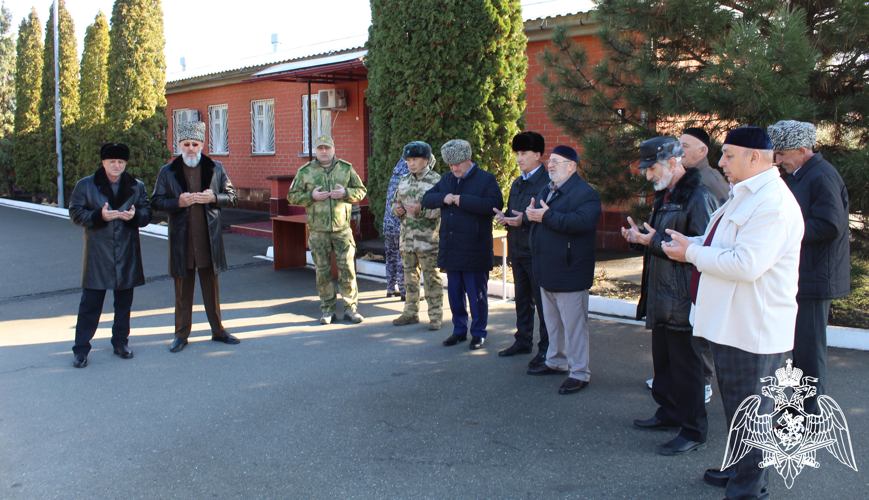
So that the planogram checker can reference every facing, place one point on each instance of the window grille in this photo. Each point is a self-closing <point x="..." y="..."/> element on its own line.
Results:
<point x="262" y="118"/>
<point x="321" y="118"/>
<point x="218" y="135"/>
<point x="178" y="116"/>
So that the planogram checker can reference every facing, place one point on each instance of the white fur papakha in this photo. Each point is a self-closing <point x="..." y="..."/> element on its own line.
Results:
<point x="191" y="131"/>
<point x="456" y="151"/>
<point x="791" y="134"/>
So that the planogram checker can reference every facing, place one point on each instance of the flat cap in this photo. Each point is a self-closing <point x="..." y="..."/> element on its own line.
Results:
<point x="659" y="149"/>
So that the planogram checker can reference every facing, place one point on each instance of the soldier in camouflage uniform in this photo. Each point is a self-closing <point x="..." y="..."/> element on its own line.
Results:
<point x="327" y="188"/>
<point x="419" y="236"/>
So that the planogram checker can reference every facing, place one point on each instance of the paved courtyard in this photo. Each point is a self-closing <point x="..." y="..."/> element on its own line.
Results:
<point x="299" y="410"/>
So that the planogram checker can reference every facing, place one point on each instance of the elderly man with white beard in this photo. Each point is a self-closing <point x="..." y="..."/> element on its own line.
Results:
<point x="192" y="189"/>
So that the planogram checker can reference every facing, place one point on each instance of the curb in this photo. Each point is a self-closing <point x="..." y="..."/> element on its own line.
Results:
<point x="150" y="230"/>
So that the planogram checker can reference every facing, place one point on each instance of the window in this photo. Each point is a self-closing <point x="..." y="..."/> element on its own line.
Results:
<point x="218" y="136"/>
<point x="180" y="116"/>
<point x="321" y="121"/>
<point x="262" y="121"/>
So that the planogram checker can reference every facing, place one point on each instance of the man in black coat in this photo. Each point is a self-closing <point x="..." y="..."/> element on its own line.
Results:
<point x="825" y="266"/>
<point x="564" y="219"/>
<point x="467" y="198"/>
<point x="192" y="189"/>
<point x="111" y="206"/>
<point x="528" y="147"/>
<point x="684" y="204"/>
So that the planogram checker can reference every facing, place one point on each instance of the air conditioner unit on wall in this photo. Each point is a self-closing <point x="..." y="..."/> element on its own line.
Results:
<point x="332" y="99"/>
<point x="188" y="115"/>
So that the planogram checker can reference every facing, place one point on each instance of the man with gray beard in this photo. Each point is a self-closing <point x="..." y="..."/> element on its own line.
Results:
<point x="192" y="189"/>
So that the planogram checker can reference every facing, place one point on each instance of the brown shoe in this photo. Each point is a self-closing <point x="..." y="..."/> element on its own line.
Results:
<point x="405" y="320"/>
<point x="434" y="324"/>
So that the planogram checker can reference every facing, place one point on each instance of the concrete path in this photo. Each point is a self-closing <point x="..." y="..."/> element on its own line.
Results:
<point x="298" y="410"/>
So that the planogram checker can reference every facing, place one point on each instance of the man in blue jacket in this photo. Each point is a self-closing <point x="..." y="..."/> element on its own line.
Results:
<point x="564" y="225"/>
<point x="467" y="197"/>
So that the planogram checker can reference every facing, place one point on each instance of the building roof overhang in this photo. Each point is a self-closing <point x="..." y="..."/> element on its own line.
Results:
<point x="347" y="67"/>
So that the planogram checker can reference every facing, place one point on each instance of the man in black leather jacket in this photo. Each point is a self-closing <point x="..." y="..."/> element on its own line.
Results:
<point x="684" y="204"/>
<point x="111" y="206"/>
<point x="192" y="189"/>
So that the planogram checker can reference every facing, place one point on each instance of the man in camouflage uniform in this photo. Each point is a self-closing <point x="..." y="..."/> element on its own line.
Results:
<point x="327" y="187"/>
<point x="419" y="236"/>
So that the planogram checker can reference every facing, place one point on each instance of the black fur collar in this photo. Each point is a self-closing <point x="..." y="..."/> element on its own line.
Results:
<point x="685" y="187"/>
<point x="126" y="187"/>
<point x="206" y="169"/>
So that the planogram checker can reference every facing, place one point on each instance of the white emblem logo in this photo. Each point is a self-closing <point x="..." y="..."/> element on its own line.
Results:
<point x="789" y="437"/>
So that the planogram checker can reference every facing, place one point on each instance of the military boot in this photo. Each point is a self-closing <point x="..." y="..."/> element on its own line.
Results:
<point x="328" y="318"/>
<point x="405" y="320"/>
<point x="434" y="324"/>
<point x="353" y="316"/>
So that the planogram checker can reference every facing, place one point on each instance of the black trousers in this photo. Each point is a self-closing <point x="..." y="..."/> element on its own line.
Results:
<point x="810" y="345"/>
<point x="89" y="311"/>
<point x="527" y="300"/>
<point x="679" y="383"/>
<point x="210" y="287"/>
<point x="739" y="373"/>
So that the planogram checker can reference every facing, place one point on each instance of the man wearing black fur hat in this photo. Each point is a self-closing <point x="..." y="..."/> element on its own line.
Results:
<point x="193" y="189"/>
<point x="529" y="147"/>
<point x="111" y="206"/>
<point x="682" y="203"/>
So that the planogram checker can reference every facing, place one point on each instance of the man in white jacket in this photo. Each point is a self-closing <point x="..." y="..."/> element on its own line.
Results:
<point x="744" y="287"/>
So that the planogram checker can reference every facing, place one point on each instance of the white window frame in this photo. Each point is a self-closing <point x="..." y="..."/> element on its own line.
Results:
<point x="176" y="119"/>
<point x="218" y="132"/>
<point x="262" y="127"/>
<point x="322" y="121"/>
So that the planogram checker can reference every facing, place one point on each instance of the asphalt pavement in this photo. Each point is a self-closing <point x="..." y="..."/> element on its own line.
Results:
<point x="299" y="410"/>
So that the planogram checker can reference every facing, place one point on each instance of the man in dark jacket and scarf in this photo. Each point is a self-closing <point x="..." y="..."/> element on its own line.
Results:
<point x="192" y="189"/>
<point x="467" y="197"/>
<point x="529" y="147"/>
<point x="111" y="206"/>
<point x="684" y="204"/>
<point x="825" y="262"/>
<point x="564" y="219"/>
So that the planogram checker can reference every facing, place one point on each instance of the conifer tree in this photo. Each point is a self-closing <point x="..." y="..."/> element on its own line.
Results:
<point x="28" y="84"/>
<point x="441" y="70"/>
<point x="69" y="96"/>
<point x="7" y="101"/>
<point x="136" y="109"/>
<point x="94" y="93"/>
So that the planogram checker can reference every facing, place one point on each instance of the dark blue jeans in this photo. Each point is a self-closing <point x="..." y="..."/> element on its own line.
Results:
<point x="474" y="284"/>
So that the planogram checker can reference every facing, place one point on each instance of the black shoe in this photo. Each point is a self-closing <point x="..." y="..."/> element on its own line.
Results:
<point x="538" y="360"/>
<point x="454" y="339"/>
<point x="514" y="350"/>
<point x="226" y="339"/>
<point x="124" y="352"/>
<point x="679" y="446"/>
<point x="545" y="370"/>
<point x="403" y="298"/>
<point x="80" y="360"/>
<point x="716" y="477"/>
<point x="653" y="424"/>
<point x="178" y="345"/>
<point x="572" y="385"/>
<point x="477" y="342"/>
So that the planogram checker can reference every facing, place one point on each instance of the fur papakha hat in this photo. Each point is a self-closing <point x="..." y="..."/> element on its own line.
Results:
<point x="529" y="141"/>
<point x="791" y="134"/>
<point x="191" y="131"/>
<point x="114" y="151"/>
<point x="456" y="151"/>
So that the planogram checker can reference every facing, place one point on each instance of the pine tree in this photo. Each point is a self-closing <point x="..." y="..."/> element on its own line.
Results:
<point x="441" y="70"/>
<point x="136" y="109"/>
<point x="69" y="96"/>
<point x="28" y="82"/>
<point x="94" y="93"/>
<point x="7" y="102"/>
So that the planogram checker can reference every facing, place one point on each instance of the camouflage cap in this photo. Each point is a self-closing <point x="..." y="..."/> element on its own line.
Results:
<point x="324" y="140"/>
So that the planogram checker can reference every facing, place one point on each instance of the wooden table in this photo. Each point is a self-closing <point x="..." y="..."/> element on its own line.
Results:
<point x="290" y="242"/>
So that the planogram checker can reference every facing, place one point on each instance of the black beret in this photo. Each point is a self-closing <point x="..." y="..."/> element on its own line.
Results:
<point x="749" y="137"/>
<point x="698" y="133"/>
<point x="115" y="152"/>
<point x="417" y="149"/>
<point x="529" y="141"/>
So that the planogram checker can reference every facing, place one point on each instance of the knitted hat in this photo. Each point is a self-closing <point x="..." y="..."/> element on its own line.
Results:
<point x="566" y="152"/>
<point x="456" y="151"/>
<point x="115" y="152"/>
<point x="659" y="149"/>
<point x="749" y="137"/>
<point x="791" y="134"/>
<point x="191" y="131"/>
<point x="417" y="149"/>
<point x="324" y="140"/>
<point x="529" y="141"/>
<point x="698" y="133"/>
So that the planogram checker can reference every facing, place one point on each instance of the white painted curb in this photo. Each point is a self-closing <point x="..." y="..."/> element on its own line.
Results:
<point x="150" y="230"/>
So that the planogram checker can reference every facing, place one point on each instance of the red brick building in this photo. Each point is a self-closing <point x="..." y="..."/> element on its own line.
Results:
<point x="256" y="112"/>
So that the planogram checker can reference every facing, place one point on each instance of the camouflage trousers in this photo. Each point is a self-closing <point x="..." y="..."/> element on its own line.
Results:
<point x="394" y="269"/>
<point x="434" y="286"/>
<point x="322" y="244"/>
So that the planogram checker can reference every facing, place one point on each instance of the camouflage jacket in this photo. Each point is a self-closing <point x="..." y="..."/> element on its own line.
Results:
<point x="419" y="232"/>
<point x="328" y="214"/>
